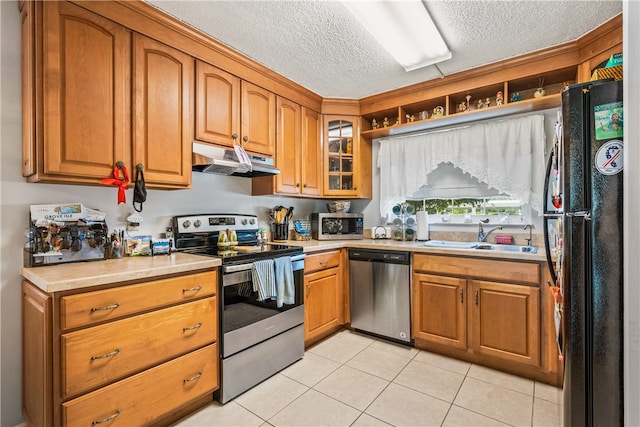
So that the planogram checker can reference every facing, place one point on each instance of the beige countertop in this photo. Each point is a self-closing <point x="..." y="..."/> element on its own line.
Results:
<point x="80" y="275"/>
<point x="70" y="276"/>
<point x="413" y="246"/>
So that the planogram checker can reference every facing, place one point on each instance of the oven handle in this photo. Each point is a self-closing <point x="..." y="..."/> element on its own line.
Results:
<point x="297" y="262"/>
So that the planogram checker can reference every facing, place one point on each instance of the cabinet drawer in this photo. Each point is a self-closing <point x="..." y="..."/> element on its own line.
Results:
<point x="321" y="261"/>
<point x="91" y="307"/>
<point x="511" y="271"/>
<point x="140" y="399"/>
<point x="100" y="354"/>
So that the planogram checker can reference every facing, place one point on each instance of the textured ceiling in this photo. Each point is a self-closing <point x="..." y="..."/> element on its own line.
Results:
<point x="321" y="46"/>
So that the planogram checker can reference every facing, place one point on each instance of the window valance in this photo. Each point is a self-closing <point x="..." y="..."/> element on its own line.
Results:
<point x="508" y="155"/>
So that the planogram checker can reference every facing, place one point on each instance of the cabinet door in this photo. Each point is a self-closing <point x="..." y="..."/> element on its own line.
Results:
<point x="163" y="112"/>
<point x="288" y="147"/>
<point x="258" y="119"/>
<point x="440" y="310"/>
<point x="505" y="321"/>
<point x="340" y="159"/>
<point x="311" y="153"/>
<point x="86" y="93"/>
<point x="217" y="105"/>
<point x="323" y="310"/>
<point x="37" y="364"/>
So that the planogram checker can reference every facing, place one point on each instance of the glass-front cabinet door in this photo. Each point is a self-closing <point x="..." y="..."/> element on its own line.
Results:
<point x="341" y="150"/>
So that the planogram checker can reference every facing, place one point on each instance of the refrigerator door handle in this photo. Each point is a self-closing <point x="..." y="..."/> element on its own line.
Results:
<point x="581" y="214"/>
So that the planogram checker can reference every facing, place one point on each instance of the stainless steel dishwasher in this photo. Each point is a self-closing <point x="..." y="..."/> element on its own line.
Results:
<point x="381" y="293"/>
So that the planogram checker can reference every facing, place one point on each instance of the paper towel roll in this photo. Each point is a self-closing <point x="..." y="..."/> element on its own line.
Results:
<point x="422" y="218"/>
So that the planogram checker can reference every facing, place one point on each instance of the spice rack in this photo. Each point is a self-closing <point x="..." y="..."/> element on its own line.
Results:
<point x="404" y="222"/>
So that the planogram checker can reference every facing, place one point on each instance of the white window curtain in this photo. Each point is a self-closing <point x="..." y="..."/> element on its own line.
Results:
<point x="507" y="155"/>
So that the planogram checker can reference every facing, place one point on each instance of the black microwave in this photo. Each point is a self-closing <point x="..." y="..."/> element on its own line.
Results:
<point x="337" y="226"/>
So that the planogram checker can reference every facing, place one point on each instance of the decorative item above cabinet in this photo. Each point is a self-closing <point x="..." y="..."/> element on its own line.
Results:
<point x="468" y="104"/>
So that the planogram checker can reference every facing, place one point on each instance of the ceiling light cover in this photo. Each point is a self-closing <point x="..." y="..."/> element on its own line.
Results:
<point x="404" y="28"/>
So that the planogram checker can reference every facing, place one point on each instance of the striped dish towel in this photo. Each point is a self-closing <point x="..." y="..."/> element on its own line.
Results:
<point x="264" y="279"/>
<point x="285" y="288"/>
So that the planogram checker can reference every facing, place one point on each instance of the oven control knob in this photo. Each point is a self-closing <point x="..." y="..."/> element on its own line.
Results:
<point x="197" y="223"/>
<point x="252" y="221"/>
<point x="186" y="224"/>
<point x="244" y="222"/>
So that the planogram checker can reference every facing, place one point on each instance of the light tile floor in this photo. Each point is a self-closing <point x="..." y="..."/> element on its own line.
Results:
<point x="351" y="379"/>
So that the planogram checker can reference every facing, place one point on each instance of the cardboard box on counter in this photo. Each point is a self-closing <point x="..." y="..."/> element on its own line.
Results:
<point x="65" y="212"/>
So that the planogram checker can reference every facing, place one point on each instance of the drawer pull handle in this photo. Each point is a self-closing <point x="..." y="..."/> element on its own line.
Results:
<point x="102" y="356"/>
<point x="194" y="289"/>
<point x="106" y="307"/>
<point x="324" y="262"/>
<point x="106" y="420"/>
<point x="193" y="378"/>
<point x="461" y="296"/>
<point x="190" y="328"/>
<point x="475" y="295"/>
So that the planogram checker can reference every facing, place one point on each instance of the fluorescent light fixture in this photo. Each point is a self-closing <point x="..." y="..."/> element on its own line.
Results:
<point x="404" y="29"/>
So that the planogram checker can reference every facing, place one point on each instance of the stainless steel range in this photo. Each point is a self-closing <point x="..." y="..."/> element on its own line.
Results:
<point x="260" y="334"/>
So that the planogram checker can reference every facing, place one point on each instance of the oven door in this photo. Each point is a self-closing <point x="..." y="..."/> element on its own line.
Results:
<point x="246" y="321"/>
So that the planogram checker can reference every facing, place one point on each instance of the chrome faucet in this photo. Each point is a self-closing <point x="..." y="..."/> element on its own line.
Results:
<point x="530" y="232"/>
<point x="481" y="234"/>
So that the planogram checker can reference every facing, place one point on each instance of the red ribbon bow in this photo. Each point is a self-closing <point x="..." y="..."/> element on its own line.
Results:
<point x="121" y="183"/>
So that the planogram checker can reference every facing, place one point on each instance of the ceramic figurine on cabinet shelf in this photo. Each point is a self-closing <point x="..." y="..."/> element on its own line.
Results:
<point x="468" y="97"/>
<point x="480" y="104"/>
<point x="374" y="124"/>
<point x="397" y="121"/>
<point x="438" y="112"/>
<point x="540" y="92"/>
<point x="385" y="122"/>
<point x="410" y="118"/>
<point x="462" y="107"/>
<point x="499" y="98"/>
<point x="515" y="97"/>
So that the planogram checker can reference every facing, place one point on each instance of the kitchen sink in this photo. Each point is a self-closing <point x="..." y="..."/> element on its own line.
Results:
<point x="449" y="244"/>
<point x="506" y="248"/>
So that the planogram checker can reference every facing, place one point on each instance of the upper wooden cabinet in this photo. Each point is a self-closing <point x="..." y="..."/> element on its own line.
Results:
<point x="258" y="123"/>
<point x="78" y="105"/>
<point x="76" y="92"/>
<point x="298" y="154"/>
<point x="217" y="105"/>
<point x="347" y="159"/>
<point x="229" y="108"/>
<point x="162" y="112"/>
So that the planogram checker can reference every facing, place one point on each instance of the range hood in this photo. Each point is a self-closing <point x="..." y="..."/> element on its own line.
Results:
<point x="210" y="159"/>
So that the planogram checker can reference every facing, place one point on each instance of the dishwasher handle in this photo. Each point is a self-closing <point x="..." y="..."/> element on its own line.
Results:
<point x="390" y="257"/>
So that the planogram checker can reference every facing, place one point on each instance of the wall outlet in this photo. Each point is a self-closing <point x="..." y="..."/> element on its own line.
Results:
<point x="133" y="222"/>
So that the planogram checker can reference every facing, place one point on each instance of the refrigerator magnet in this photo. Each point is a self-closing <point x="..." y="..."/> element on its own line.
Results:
<point x="609" y="119"/>
<point x="609" y="158"/>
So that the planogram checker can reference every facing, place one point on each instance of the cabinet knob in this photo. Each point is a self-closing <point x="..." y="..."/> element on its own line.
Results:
<point x="355" y="188"/>
<point x="297" y="185"/>
<point x="245" y="138"/>
<point x="305" y="185"/>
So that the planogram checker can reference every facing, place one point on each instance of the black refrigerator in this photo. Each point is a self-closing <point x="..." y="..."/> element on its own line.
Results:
<point x="584" y="244"/>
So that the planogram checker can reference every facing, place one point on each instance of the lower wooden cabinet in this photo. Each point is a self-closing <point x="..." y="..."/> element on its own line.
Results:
<point x="125" y="354"/>
<point x="467" y="308"/>
<point x="142" y="398"/>
<point x="323" y="295"/>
